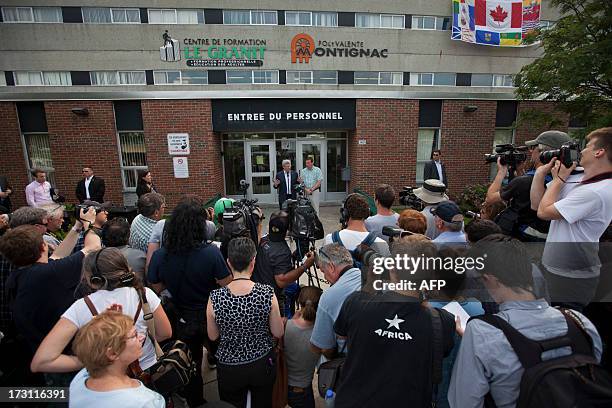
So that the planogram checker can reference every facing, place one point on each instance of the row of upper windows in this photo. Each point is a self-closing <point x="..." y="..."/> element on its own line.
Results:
<point x="195" y="77"/>
<point x="121" y="15"/>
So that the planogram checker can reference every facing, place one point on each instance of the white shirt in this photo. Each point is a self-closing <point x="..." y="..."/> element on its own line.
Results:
<point x="351" y="239"/>
<point x="439" y="167"/>
<point x="139" y="397"/>
<point x="87" y="181"/>
<point x="288" y="182"/>
<point x="80" y="315"/>
<point x="587" y="211"/>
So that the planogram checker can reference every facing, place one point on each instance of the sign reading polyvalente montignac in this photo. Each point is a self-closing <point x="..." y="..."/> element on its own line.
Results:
<point x="224" y="52"/>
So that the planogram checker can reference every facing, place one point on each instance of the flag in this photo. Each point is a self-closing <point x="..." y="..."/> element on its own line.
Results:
<point x="511" y="39"/>
<point x="484" y="21"/>
<point x="487" y="37"/>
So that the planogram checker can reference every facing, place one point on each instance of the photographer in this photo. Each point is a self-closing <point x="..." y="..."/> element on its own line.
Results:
<point x="151" y="208"/>
<point x="431" y="194"/>
<point x="579" y="217"/>
<point x="92" y="236"/>
<point x="519" y="219"/>
<point x="273" y="265"/>
<point x="384" y="197"/>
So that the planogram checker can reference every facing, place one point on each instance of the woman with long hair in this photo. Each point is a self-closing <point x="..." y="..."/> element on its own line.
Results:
<point x="107" y="345"/>
<point x="110" y="283"/>
<point x="245" y="316"/>
<point x="189" y="268"/>
<point x="301" y="361"/>
<point x="144" y="184"/>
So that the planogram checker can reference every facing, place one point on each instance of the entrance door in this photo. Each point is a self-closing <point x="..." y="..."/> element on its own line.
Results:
<point x="312" y="149"/>
<point x="260" y="171"/>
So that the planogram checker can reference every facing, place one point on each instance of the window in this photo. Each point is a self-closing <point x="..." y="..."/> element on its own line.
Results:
<point x="252" y="77"/>
<point x="97" y="15"/>
<point x="325" y="77"/>
<point x="502" y="136"/>
<point x="428" y="79"/>
<point x="132" y="78"/>
<point x="102" y="78"/>
<point x="32" y="14"/>
<point x="38" y="151"/>
<point x="299" y="77"/>
<point x="38" y="78"/>
<point x="174" y="16"/>
<point x="378" y="78"/>
<point x="2" y="79"/>
<point x="133" y="154"/>
<point x="430" y="23"/>
<point x="427" y="141"/>
<point x="258" y="17"/>
<point x="125" y="16"/>
<point x="167" y="77"/>
<point x="391" y="78"/>
<point x="370" y="20"/>
<point x="194" y="77"/>
<point x="482" y="79"/>
<point x="311" y="18"/>
<point x="265" y="77"/>
<point x="502" y="80"/>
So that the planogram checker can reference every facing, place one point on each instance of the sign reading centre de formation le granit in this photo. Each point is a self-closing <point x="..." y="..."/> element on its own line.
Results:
<point x="214" y="52"/>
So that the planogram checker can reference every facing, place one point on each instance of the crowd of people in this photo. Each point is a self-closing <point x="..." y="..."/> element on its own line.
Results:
<point x="89" y="310"/>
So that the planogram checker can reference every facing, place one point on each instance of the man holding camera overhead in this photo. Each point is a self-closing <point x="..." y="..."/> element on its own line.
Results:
<point x="519" y="219"/>
<point x="578" y="217"/>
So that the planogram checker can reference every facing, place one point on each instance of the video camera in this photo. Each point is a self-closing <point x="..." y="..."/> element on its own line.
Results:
<point x="472" y="214"/>
<point x="409" y="199"/>
<point x="242" y="218"/>
<point x="304" y="224"/>
<point x="567" y="154"/>
<point x="85" y="208"/>
<point x="509" y="154"/>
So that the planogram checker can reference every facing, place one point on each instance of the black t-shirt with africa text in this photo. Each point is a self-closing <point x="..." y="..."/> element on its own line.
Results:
<point x="389" y="343"/>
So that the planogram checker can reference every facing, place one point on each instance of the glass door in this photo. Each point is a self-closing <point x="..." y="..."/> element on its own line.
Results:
<point x="312" y="149"/>
<point x="260" y="171"/>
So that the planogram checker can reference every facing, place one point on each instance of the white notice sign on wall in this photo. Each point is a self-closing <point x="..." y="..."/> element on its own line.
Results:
<point x="178" y="143"/>
<point x="181" y="168"/>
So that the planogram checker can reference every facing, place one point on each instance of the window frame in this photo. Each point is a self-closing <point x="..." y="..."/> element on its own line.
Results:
<point x="298" y="25"/>
<point x="49" y="170"/>
<point x="131" y="71"/>
<point x="33" y="19"/>
<point x="438" y="139"/>
<point x="251" y="11"/>
<point x="227" y="73"/>
<point x="300" y="72"/>
<point x="134" y="169"/>
<point x="380" y="16"/>
<point x="104" y="70"/>
<point x="125" y="10"/>
<point x="176" y="10"/>
<point x="165" y="72"/>
<point x="436" y="20"/>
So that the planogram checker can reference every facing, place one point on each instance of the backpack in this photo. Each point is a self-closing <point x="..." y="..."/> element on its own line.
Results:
<point x="368" y="241"/>
<point x="575" y="380"/>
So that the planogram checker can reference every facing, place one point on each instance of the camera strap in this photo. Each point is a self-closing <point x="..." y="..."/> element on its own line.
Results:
<point x="599" y="177"/>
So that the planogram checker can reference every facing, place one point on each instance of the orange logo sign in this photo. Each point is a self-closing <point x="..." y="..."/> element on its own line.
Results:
<point x="302" y="48"/>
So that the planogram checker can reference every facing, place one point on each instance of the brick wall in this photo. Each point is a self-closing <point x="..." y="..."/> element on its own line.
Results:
<point x="79" y="141"/>
<point x="529" y="131"/>
<point x="389" y="128"/>
<point x="205" y="165"/>
<point x="12" y="162"/>
<point x="465" y="138"/>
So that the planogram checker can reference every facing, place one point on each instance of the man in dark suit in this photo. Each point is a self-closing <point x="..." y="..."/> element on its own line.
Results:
<point x="285" y="181"/>
<point x="90" y="187"/>
<point x="435" y="169"/>
<point x="5" y="191"/>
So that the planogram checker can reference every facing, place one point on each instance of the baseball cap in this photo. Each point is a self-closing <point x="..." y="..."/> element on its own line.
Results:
<point x="551" y="138"/>
<point x="448" y="211"/>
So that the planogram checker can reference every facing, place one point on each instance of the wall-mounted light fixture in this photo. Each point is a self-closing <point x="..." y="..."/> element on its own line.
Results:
<point x="470" y="108"/>
<point x="80" y="111"/>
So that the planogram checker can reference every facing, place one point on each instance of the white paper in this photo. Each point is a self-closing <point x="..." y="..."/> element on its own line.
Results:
<point x="181" y="168"/>
<point x="456" y="309"/>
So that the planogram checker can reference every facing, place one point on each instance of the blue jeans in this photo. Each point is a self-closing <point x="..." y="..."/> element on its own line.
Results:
<point x="304" y="399"/>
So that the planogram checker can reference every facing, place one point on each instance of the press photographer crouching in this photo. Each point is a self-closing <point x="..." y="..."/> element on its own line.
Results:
<point x="519" y="219"/>
<point x="432" y="193"/>
<point x="274" y="265"/>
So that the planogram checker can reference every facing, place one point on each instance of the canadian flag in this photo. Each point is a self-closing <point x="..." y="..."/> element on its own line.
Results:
<point x="498" y="15"/>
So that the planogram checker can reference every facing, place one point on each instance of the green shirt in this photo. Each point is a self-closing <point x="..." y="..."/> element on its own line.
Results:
<point x="310" y="177"/>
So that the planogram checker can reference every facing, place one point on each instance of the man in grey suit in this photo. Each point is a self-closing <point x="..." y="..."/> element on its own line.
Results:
<point x="435" y="169"/>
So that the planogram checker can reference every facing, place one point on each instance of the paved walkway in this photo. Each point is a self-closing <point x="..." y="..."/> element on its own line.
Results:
<point x="330" y="218"/>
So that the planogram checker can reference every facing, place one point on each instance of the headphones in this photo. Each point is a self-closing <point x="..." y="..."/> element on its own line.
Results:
<point x="127" y="279"/>
<point x="344" y="214"/>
